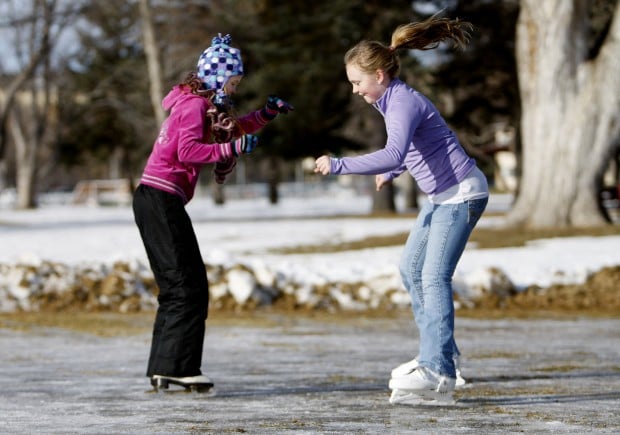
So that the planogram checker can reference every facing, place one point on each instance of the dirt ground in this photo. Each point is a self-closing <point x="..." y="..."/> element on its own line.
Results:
<point x="599" y="295"/>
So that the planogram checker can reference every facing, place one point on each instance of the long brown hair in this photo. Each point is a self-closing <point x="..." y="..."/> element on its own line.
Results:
<point x="371" y="56"/>
<point x="223" y="124"/>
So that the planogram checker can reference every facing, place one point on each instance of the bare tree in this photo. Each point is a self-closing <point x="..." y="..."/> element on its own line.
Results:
<point x="27" y="113"/>
<point x="154" y="66"/>
<point x="570" y="113"/>
<point x="16" y="83"/>
<point x="27" y="119"/>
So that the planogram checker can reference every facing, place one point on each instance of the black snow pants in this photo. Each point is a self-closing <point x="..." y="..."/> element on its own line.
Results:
<point x="180" y="274"/>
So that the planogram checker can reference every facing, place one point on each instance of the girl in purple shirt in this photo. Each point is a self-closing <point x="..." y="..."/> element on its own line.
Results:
<point x="420" y="142"/>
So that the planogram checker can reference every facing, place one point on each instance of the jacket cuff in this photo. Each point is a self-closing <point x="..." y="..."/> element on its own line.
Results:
<point x="268" y="114"/>
<point x="226" y="151"/>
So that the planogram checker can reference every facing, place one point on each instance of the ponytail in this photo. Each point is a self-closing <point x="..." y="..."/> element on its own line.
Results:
<point x="371" y="56"/>
<point x="429" y="33"/>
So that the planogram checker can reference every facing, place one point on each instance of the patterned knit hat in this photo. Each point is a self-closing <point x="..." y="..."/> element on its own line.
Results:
<point x="219" y="62"/>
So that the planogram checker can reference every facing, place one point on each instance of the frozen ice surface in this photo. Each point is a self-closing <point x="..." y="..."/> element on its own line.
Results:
<point x="313" y="376"/>
<point x="317" y="375"/>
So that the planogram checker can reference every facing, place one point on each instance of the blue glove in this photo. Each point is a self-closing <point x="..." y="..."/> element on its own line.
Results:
<point x="274" y="106"/>
<point x="244" y="145"/>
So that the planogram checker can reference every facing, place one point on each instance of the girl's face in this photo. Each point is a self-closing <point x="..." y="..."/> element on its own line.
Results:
<point x="230" y="88"/>
<point x="370" y="86"/>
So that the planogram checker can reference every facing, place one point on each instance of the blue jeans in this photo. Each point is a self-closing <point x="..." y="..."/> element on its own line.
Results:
<point x="431" y="253"/>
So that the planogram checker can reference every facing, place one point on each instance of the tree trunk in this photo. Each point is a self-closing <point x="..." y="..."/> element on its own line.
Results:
<point x="10" y="91"/>
<point x="273" y="179"/>
<point x="383" y="200"/>
<point x="25" y="159"/>
<point x="30" y="120"/>
<point x="410" y="193"/>
<point x="571" y="114"/>
<point x="219" y="198"/>
<point x="153" y="63"/>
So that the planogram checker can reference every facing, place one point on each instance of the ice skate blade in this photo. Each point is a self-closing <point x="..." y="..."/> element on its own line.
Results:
<point x="460" y="382"/>
<point x="423" y="398"/>
<point x="201" y="392"/>
<point x="197" y="390"/>
<point x="399" y="397"/>
<point x="162" y="384"/>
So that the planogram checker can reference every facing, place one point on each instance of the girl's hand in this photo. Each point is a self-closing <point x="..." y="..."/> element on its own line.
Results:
<point x="274" y="106"/>
<point x="380" y="181"/>
<point x="323" y="165"/>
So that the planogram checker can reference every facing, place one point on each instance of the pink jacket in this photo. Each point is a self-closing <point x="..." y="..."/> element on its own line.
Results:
<point x="180" y="150"/>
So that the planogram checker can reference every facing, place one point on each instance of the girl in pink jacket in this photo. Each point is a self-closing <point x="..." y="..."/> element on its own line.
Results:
<point x="200" y="129"/>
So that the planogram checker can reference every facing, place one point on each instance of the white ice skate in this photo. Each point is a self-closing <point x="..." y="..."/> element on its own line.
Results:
<point x="404" y="397"/>
<point x="408" y="367"/>
<point x="422" y="386"/>
<point x="199" y="383"/>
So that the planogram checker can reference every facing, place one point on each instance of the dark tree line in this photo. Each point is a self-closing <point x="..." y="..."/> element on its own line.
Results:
<point x="104" y="121"/>
<point x="293" y="49"/>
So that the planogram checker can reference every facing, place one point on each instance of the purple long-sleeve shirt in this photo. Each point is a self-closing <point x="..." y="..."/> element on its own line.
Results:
<point x="418" y="140"/>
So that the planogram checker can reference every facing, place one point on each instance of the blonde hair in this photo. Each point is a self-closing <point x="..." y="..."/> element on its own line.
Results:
<point x="371" y="56"/>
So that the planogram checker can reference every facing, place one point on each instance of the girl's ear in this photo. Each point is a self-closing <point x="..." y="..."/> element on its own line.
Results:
<point x="380" y="76"/>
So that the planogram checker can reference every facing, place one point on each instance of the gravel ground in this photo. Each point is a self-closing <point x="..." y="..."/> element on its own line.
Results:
<point x="319" y="375"/>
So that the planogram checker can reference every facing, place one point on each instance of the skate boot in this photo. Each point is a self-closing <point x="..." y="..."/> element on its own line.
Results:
<point x="199" y="383"/>
<point x="408" y="367"/>
<point x="422" y="386"/>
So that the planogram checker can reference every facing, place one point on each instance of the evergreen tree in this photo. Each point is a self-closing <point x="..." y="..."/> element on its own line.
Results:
<point x="295" y="49"/>
<point x="106" y="108"/>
